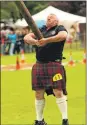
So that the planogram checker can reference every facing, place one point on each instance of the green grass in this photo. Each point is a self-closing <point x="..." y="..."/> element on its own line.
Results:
<point x="30" y="58"/>
<point x="17" y="98"/>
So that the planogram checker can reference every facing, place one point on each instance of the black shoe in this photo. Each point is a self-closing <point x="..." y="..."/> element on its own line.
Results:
<point x="65" y="122"/>
<point x="40" y="122"/>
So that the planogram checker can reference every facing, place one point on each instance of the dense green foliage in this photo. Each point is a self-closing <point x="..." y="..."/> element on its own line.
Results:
<point x="9" y="9"/>
<point x="74" y="7"/>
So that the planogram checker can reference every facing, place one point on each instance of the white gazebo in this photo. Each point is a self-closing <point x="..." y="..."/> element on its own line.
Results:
<point x="42" y="15"/>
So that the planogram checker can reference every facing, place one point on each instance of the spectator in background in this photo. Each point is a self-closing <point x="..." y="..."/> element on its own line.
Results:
<point x="5" y="43"/>
<point x="25" y="31"/>
<point x="19" y="46"/>
<point x="12" y="37"/>
<point x="77" y="32"/>
<point x="28" y="48"/>
<point x="2" y="42"/>
<point x="72" y="34"/>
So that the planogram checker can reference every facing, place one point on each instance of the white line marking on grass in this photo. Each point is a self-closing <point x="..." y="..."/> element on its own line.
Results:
<point x="3" y="66"/>
<point x="11" y="70"/>
<point x="27" y="68"/>
<point x="64" y="63"/>
<point x="22" y="67"/>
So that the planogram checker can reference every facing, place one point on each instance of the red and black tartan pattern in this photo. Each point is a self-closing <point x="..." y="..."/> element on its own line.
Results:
<point x="42" y="76"/>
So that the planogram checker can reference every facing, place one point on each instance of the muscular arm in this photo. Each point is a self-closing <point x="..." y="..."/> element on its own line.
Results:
<point x="62" y="35"/>
<point x="57" y="38"/>
<point x="30" y="39"/>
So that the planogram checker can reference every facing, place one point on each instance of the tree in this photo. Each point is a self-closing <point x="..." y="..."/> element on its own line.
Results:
<point x="74" y="7"/>
<point x="35" y="6"/>
<point x="9" y="10"/>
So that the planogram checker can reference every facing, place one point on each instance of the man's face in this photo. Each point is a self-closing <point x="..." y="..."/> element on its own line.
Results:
<point x="51" y="20"/>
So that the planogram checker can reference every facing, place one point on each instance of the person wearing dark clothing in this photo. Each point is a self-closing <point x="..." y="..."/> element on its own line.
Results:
<point x="48" y="73"/>
<point x="12" y="37"/>
<point x="19" y="43"/>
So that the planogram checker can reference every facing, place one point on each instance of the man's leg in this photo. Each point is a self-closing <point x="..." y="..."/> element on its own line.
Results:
<point x="62" y="104"/>
<point x="39" y="104"/>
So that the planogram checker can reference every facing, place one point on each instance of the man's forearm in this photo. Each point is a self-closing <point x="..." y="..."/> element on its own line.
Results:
<point x="53" y="39"/>
<point x="57" y="38"/>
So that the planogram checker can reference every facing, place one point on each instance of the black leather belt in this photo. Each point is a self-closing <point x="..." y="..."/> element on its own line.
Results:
<point x="59" y="61"/>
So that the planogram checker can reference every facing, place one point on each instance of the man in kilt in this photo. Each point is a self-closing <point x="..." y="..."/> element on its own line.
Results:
<point x="48" y="74"/>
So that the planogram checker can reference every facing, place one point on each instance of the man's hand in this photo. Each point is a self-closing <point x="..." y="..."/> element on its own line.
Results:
<point x="42" y="42"/>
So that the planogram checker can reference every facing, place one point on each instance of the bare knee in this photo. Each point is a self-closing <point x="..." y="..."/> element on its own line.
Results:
<point x="58" y="93"/>
<point x="39" y="94"/>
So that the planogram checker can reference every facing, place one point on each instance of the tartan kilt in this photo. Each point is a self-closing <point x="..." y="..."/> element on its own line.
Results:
<point x="51" y="74"/>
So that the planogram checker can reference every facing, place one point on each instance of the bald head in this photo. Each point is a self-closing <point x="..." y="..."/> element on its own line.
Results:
<point x="52" y="20"/>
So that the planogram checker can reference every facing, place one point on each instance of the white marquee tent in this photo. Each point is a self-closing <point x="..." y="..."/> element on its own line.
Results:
<point x="42" y="15"/>
<point x="21" y="23"/>
<point x="65" y="18"/>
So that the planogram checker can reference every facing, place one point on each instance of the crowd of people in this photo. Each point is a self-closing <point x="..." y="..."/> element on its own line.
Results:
<point x="12" y="41"/>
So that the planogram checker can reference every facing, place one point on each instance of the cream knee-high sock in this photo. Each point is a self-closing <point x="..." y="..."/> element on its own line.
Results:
<point x="39" y="105"/>
<point x="62" y="104"/>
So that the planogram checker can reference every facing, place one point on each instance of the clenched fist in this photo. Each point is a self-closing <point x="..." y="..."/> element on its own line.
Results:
<point x="42" y="42"/>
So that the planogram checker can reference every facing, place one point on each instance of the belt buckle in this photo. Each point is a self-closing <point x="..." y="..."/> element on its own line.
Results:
<point x="58" y="60"/>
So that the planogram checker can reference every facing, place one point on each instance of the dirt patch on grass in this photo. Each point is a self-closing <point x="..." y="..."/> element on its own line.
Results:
<point x="12" y="67"/>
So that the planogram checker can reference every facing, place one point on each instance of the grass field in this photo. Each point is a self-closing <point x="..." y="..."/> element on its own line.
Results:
<point x="17" y="98"/>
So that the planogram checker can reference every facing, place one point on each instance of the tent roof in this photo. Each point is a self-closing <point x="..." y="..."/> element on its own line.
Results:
<point x="60" y="14"/>
<point x="21" y="23"/>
